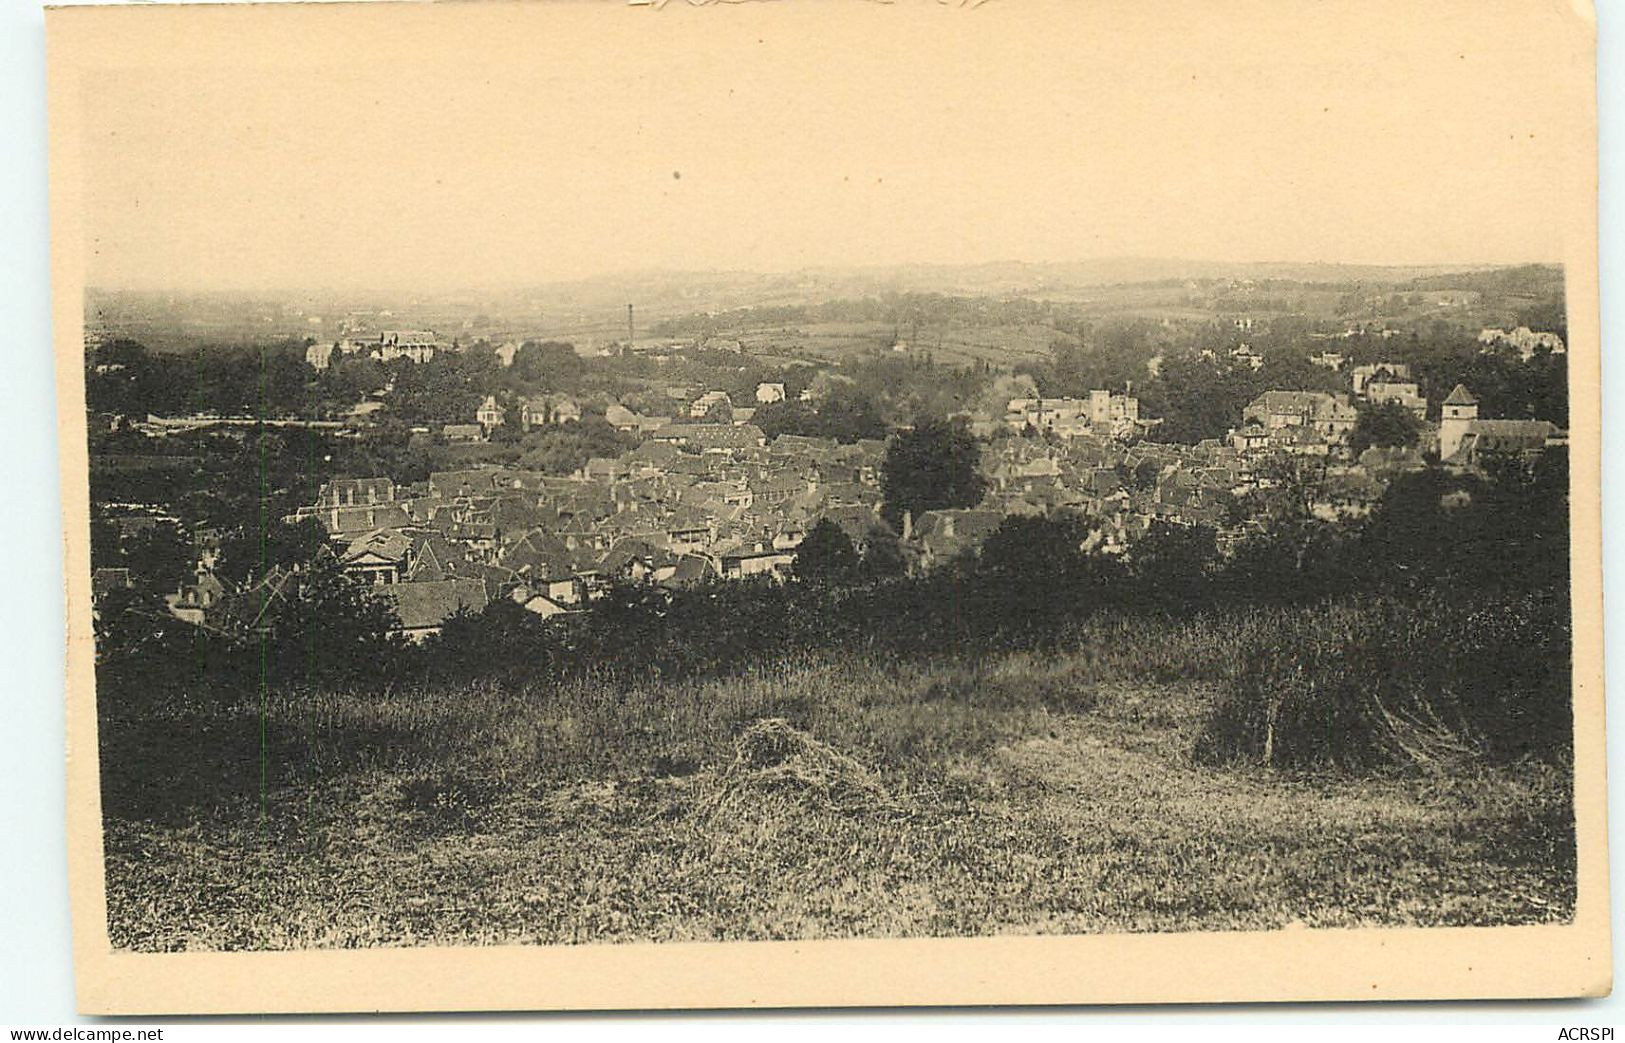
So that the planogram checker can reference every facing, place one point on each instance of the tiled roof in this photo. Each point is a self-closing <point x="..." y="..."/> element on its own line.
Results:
<point x="423" y="605"/>
<point x="713" y="436"/>
<point x="626" y="551"/>
<point x="389" y="544"/>
<point x="691" y="569"/>
<point x="1289" y="401"/>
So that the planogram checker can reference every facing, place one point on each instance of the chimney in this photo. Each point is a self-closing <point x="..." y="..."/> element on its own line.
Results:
<point x="908" y="525"/>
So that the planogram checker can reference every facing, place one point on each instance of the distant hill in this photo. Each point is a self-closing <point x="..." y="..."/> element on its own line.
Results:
<point x="1536" y="280"/>
<point x="594" y="309"/>
<point x="660" y="291"/>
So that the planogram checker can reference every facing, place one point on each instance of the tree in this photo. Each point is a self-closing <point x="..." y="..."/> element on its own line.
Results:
<point x="844" y="414"/>
<point x="883" y="558"/>
<point x="1435" y="532"/>
<point x="332" y="629"/>
<point x="1197" y="397"/>
<point x="348" y="380"/>
<point x="1548" y="314"/>
<point x="512" y="428"/>
<point x="825" y="555"/>
<point x="1108" y="358"/>
<point x="254" y="550"/>
<point x="931" y="467"/>
<point x="551" y="364"/>
<point x="1032" y="573"/>
<point x="1386" y="424"/>
<point x="122" y="377"/>
<point x="105" y="549"/>
<point x="445" y="390"/>
<point x="502" y="640"/>
<point x="787" y="417"/>
<point x="140" y="646"/>
<point x="160" y="558"/>
<point x="1035" y="548"/>
<point x="565" y="450"/>
<point x="848" y="415"/>
<point x="1171" y="563"/>
<point x="1292" y="553"/>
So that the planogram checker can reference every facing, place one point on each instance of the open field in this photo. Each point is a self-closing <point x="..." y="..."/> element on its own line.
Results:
<point x="953" y="344"/>
<point x="830" y="796"/>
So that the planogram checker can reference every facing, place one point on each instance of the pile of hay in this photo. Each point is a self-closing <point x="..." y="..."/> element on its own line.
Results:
<point x="774" y="756"/>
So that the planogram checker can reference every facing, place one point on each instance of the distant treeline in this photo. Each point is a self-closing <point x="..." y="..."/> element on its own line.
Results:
<point x="1237" y="293"/>
<point x="902" y="310"/>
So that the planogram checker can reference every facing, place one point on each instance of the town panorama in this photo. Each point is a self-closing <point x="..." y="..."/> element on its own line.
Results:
<point x="628" y="610"/>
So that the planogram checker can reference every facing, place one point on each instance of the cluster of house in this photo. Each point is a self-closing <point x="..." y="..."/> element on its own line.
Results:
<point x="700" y="500"/>
<point x="1384" y="382"/>
<point x="413" y="345"/>
<point x="1304" y="423"/>
<point x="1316" y="423"/>
<point x="1103" y="413"/>
<point x="1120" y="490"/>
<point x="1523" y="340"/>
<point x="1243" y="354"/>
<point x="533" y="411"/>
<point x="554" y="410"/>
<point x="693" y="503"/>
<point x="692" y="507"/>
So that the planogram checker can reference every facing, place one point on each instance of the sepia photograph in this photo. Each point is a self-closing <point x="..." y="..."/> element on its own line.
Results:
<point x="1022" y="491"/>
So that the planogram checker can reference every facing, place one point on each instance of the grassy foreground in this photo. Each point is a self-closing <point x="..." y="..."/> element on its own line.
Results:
<point x="833" y="796"/>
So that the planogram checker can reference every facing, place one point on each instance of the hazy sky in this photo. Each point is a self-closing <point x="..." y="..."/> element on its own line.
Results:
<point x="376" y="146"/>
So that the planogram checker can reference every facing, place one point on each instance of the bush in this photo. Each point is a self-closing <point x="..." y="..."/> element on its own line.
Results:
<point x="826" y="555"/>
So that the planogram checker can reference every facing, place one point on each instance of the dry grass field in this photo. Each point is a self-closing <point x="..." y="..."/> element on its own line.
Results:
<point x="827" y="797"/>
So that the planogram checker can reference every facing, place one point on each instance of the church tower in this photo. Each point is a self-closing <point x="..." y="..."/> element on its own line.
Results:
<point x="1457" y="414"/>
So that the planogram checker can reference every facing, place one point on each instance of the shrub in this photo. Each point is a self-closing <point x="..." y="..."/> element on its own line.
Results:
<point x="1390" y="685"/>
<point x="826" y="555"/>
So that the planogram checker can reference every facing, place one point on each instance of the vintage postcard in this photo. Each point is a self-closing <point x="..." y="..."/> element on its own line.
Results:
<point x="601" y="505"/>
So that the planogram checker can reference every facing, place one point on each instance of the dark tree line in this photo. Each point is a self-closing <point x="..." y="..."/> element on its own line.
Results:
<point x="124" y="378"/>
